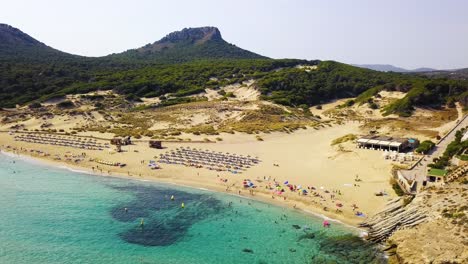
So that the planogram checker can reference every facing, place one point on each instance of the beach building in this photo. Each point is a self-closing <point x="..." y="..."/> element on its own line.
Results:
<point x="386" y="143"/>
<point x="122" y="141"/>
<point x="155" y="144"/>
<point x="436" y="176"/>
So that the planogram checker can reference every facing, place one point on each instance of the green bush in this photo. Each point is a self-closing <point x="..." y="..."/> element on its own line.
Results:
<point x="65" y="104"/>
<point x="35" y="105"/>
<point x="396" y="187"/>
<point x="133" y="98"/>
<point x="425" y="147"/>
<point x="230" y="95"/>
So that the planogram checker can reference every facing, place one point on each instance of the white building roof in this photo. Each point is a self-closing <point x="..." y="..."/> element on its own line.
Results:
<point x="395" y="144"/>
<point x="384" y="143"/>
<point x="362" y="140"/>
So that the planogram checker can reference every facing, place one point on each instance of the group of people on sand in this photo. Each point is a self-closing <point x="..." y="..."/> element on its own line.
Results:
<point x="68" y="156"/>
<point x="225" y="162"/>
<point x="326" y="198"/>
<point x="59" y="140"/>
<point x="218" y="161"/>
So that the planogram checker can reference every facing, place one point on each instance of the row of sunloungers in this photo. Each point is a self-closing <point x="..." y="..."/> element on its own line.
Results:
<point x="208" y="159"/>
<point x="399" y="156"/>
<point x="61" y="141"/>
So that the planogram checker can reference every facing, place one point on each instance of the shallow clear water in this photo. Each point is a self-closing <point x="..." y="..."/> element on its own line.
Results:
<point x="52" y="215"/>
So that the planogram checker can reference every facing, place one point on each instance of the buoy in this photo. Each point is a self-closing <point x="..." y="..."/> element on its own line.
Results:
<point x="182" y="205"/>
<point x="172" y="198"/>
<point x="142" y="222"/>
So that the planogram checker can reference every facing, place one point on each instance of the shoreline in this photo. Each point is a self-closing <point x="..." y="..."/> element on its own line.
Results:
<point x="258" y="198"/>
<point x="306" y="159"/>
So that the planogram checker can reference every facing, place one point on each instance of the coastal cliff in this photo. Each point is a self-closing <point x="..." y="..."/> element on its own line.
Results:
<point x="431" y="228"/>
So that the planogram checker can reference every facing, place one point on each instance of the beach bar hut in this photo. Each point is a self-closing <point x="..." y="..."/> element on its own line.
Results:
<point x="362" y="142"/>
<point x="383" y="143"/>
<point x="157" y="144"/>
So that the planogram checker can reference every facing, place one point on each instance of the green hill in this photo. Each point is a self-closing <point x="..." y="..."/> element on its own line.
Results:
<point x="20" y="47"/>
<point x="188" y="61"/>
<point x="187" y="45"/>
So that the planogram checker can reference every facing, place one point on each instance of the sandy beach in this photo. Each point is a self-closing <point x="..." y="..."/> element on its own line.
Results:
<point x="305" y="159"/>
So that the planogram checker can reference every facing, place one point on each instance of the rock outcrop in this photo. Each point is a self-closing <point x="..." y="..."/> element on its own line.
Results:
<point x="431" y="228"/>
<point x="395" y="216"/>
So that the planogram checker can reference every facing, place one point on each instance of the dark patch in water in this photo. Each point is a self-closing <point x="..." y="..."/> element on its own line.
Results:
<point x="296" y="226"/>
<point x="347" y="249"/>
<point x="165" y="221"/>
<point x="306" y="236"/>
<point x="247" y="250"/>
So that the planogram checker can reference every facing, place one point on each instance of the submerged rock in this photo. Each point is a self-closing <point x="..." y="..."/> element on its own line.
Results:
<point x="306" y="236"/>
<point x="247" y="250"/>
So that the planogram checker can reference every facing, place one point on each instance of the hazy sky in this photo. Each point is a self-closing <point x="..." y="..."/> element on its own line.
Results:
<point x="406" y="33"/>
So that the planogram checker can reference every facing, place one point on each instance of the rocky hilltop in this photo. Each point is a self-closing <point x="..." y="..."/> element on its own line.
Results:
<point x="189" y="44"/>
<point x="192" y="35"/>
<point x="187" y="36"/>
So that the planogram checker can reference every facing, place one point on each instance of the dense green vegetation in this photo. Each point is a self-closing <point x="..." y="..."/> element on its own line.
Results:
<point x="24" y="82"/>
<point x="331" y="80"/>
<point x="429" y="93"/>
<point x="278" y="80"/>
<point x="184" y="63"/>
<point x="456" y="147"/>
<point x="217" y="49"/>
<point x="334" y="80"/>
<point x="425" y="147"/>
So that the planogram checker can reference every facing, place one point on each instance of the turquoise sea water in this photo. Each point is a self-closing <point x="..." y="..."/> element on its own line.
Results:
<point x="52" y="215"/>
